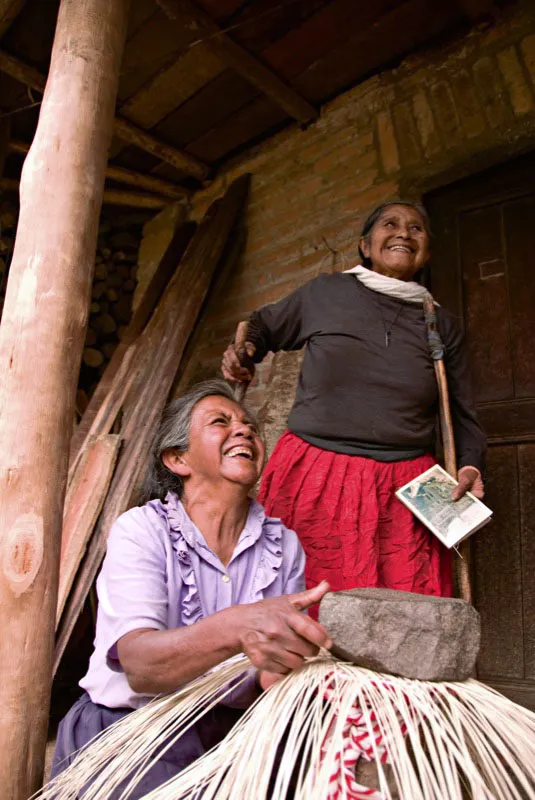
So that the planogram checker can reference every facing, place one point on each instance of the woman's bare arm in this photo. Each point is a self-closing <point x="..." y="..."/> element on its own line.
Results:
<point x="273" y="633"/>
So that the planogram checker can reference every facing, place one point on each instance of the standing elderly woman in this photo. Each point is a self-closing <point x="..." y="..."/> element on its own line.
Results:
<point x="194" y="576"/>
<point x="363" y="421"/>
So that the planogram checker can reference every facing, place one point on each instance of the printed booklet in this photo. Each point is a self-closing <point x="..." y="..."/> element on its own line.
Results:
<point x="429" y="497"/>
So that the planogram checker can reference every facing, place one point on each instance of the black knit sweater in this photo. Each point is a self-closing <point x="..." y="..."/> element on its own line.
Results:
<point x="355" y="394"/>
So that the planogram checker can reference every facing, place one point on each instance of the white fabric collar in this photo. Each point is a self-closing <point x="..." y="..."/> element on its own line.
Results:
<point x="410" y="291"/>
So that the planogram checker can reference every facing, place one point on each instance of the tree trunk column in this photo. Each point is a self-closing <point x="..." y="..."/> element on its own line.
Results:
<point x="41" y="341"/>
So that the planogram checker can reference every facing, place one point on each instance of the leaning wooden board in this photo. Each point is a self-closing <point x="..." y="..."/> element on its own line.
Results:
<point x="86" y="493"/>
<point x="161" y="347"/>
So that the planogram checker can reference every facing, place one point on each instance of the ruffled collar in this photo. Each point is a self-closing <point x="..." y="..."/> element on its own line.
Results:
<point x="180" y="522"/>
<point x="185" y="537"/>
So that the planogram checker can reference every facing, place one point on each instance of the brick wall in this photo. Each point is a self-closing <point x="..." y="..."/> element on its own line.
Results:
<point x="440" y="116"/>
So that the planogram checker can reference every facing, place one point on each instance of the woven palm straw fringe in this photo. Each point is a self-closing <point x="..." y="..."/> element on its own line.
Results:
<point x="443" y="741"/>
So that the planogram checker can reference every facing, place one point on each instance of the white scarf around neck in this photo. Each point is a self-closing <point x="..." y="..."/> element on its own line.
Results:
<point x="410" y="291"/>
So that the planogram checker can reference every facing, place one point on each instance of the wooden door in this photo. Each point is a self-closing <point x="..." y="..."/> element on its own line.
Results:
<point x="483" y="270"/>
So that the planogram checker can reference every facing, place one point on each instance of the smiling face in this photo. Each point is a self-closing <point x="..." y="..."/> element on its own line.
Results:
<point x="224" y="446"/>
<point x="398" y="243"/>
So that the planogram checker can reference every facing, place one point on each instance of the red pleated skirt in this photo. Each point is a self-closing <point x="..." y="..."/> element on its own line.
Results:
<point x="354" y="530"/>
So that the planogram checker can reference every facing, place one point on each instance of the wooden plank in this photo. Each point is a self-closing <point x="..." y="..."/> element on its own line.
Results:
<point x="207" y="109"/>
<point x="9" y="11"/>
<point x="222" y="8"/>
<point x="83" y="503"/>
<point x="322" y="32"/>
<point x="181" y="160"/>
<point x="150" y="48"/>
<point x="364" y="52"/>
<point x="27" y="75"/>
<point x="526" y="470"/>
<point x="120" y="197"/>
<point x="190" y="371"/>
<point x="367" y="50"/>
<point x="261" y="23"/>
<point x="258" y="26"/>
<point x="519" y="233"/>
<point x="163" y="344"/>
<point x="122" y="128"/>
<point x="508" y="419"/>
<point x="521" y="692"/>
<point x="486" y="303"/>
<point x="154" y="45"/>
<point x="109" y="395"/>
<point x="241" y="60"/>
<point x="140" y="13"/>
<point x="149" y="182"/>
<point x="172" y="86"/>
<point x="240" y="129"/>
<point x="498" y="572"/>
<point x="213" y="105"/>
<point x="41" y="341"/>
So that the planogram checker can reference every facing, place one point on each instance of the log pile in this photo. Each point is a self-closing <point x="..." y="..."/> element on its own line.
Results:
<point x="111" y="301"/>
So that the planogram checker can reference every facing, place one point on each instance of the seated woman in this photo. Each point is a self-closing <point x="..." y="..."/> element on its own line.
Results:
<point x="192" y="577"/>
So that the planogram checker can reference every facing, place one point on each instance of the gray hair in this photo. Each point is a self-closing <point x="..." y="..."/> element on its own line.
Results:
<point x="173" y="432"/>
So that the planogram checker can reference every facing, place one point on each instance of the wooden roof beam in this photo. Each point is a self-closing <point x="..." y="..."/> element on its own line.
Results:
<point x="123" y="129"/>
<point x="111" y="197"/>
<point x="9" y="11"/>
<point x="150" y="183"/>
<point x="239" y="59"/>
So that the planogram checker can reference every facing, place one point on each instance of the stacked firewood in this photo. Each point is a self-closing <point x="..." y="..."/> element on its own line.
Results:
<point x="111" y="302"/>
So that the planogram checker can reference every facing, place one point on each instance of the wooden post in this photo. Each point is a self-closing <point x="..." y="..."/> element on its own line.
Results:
<point x="41" y="341"/>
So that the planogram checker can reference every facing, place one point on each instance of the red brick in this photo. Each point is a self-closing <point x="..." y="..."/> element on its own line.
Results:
<point x="368" y="200"/>
<point x="387" y="141"/>
<point x="446" y="113"/>
<point x="528" y="53"/>
<point x="519" y="92"/>
<point x="492" y="95"/>
<point x="350" y="155"/>
<point x="426" y="123"/>
<point x="466" y="100"/>
<point x="410" y="151"/>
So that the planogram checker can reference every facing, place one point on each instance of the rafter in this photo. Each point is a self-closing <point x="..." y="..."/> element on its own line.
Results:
<point x="9" y="11"/>
<point x="123" y="129"/>
<point x="112" y="197"/>
<point x="239" y="59"/>
<point x="122" y="175"/>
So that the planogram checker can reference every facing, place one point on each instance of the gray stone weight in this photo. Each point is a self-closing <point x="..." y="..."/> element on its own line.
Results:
<point x="412" y="635"/>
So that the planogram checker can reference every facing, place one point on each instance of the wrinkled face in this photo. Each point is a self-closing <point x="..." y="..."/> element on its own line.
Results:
<point x="224" y="445"/>
<point x="398" y="243"/>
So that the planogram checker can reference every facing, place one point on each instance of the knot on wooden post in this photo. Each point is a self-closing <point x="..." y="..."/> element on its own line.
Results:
<point x="22" y="552"/>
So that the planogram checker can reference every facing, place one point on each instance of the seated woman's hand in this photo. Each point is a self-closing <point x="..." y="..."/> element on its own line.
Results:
<point x="277" y="638"/>
<point x="233" y="369"/>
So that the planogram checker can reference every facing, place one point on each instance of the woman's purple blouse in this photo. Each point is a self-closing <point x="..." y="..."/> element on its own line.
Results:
<point x="159" y="573"/>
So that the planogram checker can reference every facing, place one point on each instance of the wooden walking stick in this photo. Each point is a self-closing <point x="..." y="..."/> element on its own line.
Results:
<point x="436" y="347"/>
<point x="245" y="359"/>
